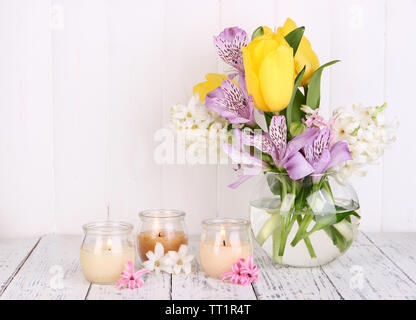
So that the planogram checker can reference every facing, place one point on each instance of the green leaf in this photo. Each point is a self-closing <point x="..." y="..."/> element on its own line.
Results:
<point x="304" y="193"/>
<point x="268" y="116"/>
<point x="294" y="37"/>
<point x="314" y="92"/>
<point x="274" y="184"/>
<point x="257" y="33"/>
<point x="292" y="110"/>
<point x="331" y="219"/>
<point x="378" y="110"/>
<point x="297" y="128"/>
<point x="337" y="239"/>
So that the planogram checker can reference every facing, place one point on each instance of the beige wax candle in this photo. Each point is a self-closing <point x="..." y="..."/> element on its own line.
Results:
<point x="171" y="241"/>
<point x="217" y="257"/>
<point x="104" y="264"/>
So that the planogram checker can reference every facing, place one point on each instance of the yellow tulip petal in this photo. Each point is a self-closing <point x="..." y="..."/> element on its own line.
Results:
<point x="289" y="26"/>
<point x="276" y="77"/>
<point x="215" y="76"/>
<point x="252" y="82"/>
<point x="214" y="80"/>
<point x="267" y="30"/>
<point x="306" y="57"/>
<point x="259" y="50"/>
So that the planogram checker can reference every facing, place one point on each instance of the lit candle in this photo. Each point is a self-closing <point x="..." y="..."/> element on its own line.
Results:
<point x="166" y="227"/>
<point x="170" y="239"/>
<point x="103" y="261"/>
<point x="219" y="250"/>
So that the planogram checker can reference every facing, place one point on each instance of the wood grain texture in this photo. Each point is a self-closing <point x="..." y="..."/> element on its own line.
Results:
<point x="154" y="288"/>
<point x="80" y="103"/>
<point x="377" y="266"/>
<point x="278" y="282"/>
<point x="400" y="248"/>
<point x="13" y="254"/>
<point x="26" y="119"/>
<point x="135" y="36"/>
<point x="355" y="25"/>
<point x="189" y="54"/>
<point x="81" y="79"/>
<point x="398" y="205"/>
<point x="197" y="285"/>
<point x="365" y="273"/>
<point x="51" y="272"/>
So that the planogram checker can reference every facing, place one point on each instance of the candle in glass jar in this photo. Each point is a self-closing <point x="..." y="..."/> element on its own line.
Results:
<point x="105" y="263"/>
<point x="218" y="252"/>
<point x="171" y="241"/>
<point x="161" y="225"/>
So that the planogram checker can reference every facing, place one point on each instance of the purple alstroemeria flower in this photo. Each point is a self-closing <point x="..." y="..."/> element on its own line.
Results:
<point x="285" y="154"/>
<point x="248" y="165"/>
<point x="229" y="44"/>
<point x="231" y="102"/>
<point x="322" y="156"/>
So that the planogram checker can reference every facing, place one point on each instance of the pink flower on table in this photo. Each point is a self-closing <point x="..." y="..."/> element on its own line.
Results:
<point x="242" y="273"/>
<point x="249" y="271"/>
<point x="131" y="278"/>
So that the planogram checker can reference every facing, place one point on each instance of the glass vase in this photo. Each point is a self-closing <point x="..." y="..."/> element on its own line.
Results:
<point x="304" y="223"/>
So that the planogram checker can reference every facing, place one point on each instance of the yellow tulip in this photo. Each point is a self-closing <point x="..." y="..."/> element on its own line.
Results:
<point x="269" y="70"/>
<point x="214" y="80"/>
<point x="305" y="56"/>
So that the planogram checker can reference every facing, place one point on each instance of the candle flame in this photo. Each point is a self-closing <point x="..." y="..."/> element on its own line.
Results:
<point x="222" y="232"/>
<point x="109" y="243"/>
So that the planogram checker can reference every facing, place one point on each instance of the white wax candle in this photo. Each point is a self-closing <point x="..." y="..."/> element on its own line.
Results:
<point x="217" y="257"/>
<point x="104" y="264"/>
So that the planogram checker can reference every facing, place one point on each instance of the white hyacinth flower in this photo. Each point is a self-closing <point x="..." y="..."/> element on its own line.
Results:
<point x="180" y="260"/>
<point x="202" y="131"/>
<point x="158" y="261"/>
<point x="367" y="133"/>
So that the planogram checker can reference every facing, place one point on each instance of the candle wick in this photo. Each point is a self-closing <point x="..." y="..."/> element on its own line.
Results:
<point x="223" y="242"/>
<point x="159" y="234"/>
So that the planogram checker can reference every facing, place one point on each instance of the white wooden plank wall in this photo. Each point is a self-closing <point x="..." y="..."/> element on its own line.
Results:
<point x="84" y="85"/>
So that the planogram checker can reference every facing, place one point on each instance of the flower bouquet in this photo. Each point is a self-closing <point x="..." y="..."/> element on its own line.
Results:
<point x="266" y="113"/>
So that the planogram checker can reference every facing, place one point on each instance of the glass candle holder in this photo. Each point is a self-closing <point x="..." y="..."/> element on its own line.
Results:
<point x="223" y="243"/>
<point x="164" y="226"/>
<point x="106" y="248"/>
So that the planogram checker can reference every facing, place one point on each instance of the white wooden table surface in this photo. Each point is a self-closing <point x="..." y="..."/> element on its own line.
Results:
<point x="378" y="266"/>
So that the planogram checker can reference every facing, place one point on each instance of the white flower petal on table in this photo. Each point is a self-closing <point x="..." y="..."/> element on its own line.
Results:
<point x="187" y="268"/>
<point x="150" y="255"/>
<point x="187" y="259"/>
<point x="183" y="250"/>
<point x="149" y="264"/>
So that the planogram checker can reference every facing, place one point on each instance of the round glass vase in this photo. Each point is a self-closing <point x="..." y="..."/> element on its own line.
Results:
<point x="223" y="242"/>
<point x="160" y="225"/>
<point x="106" y="248"/>
<point x="307" y="222"/>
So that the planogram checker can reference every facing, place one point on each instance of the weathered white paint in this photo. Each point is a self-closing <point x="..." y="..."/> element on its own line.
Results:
<point x="364" y="272"/>
<point x="13" y="254"/>
<point x="155" y="288"/>
<point x="84" y="90"/>
<point x="277" y="282"/>
<point x="52" y="271"/>
<point x="400" y="248"/>
<point x="384" y="262"/>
